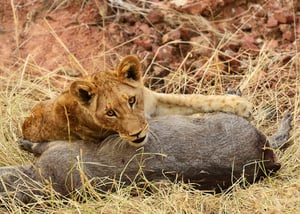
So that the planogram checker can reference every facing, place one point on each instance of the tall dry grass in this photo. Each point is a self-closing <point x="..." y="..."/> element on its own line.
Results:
<point x="19" y="91"/>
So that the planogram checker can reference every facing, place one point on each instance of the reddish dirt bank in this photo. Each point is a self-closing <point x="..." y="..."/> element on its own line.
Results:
<point x="92" y="36"/>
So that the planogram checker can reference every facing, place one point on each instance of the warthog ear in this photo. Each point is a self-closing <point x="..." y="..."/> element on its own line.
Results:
<point x="129" y="68"/>
<point x="82" y="90"/>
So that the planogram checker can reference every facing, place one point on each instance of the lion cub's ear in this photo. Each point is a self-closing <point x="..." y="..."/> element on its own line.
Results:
<point x="82" y="91"/>
<point x="130" y="68"/>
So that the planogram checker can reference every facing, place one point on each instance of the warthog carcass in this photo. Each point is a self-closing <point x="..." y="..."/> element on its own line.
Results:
<point x="212" y="151"/>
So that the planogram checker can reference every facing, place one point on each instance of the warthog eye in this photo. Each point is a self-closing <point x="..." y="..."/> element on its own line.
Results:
<point x="132" y="101"/>
<point x="111" y="113"/>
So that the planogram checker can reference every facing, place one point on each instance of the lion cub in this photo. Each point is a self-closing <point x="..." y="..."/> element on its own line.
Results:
<point x="104" y="103"/>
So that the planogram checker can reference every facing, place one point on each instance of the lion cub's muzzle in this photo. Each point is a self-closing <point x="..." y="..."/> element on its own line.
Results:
<point x="138" y="138"/>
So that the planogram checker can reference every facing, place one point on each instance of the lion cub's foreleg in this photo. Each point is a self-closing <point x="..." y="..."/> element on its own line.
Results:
<point x="161" y="104"/>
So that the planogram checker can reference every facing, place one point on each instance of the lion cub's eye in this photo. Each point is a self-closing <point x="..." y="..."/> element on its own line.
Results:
<point x="111" y="113"/>
<point x="132" y="101"/>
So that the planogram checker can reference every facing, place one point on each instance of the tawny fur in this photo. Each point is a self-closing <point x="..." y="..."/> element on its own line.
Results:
<point x="104" y="103"/>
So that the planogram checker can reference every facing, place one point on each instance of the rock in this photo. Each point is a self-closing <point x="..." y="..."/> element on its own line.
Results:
<point x="159" y="71"/>
<point x="166" y="53"/>
<point x="298" y="29"/>
<point x="145" y="43"/>
<point x="201" y="46"/>
<point x="280" y="17"/>
<point x="287" y="32"/>
<point x="288" y="35"/>
<point x="128" y="18"/>
<point x="195" y="8"/>
<point x="231" y="57"/>
<point x="187" y="33"/>
<point x="272" y="44"/>
<point x="260" y="11"/>
<point x="171" y="36"/>
<point x="272" y="22"/>
<point x="284" y="17"/>
<point x="145" y="29"/>
<point x="155" y="16"/>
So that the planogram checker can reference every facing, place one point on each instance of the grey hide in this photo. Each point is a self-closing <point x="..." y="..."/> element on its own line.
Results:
<point x="212" y="151"/>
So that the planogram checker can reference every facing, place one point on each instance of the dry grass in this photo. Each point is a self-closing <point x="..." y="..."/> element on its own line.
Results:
<point x="19" y="91"/>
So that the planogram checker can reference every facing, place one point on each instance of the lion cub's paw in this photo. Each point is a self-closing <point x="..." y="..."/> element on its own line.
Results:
<point x="241" y="106"/>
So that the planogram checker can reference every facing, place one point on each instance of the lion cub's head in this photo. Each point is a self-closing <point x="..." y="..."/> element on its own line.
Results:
<point x="114" y="101"/>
